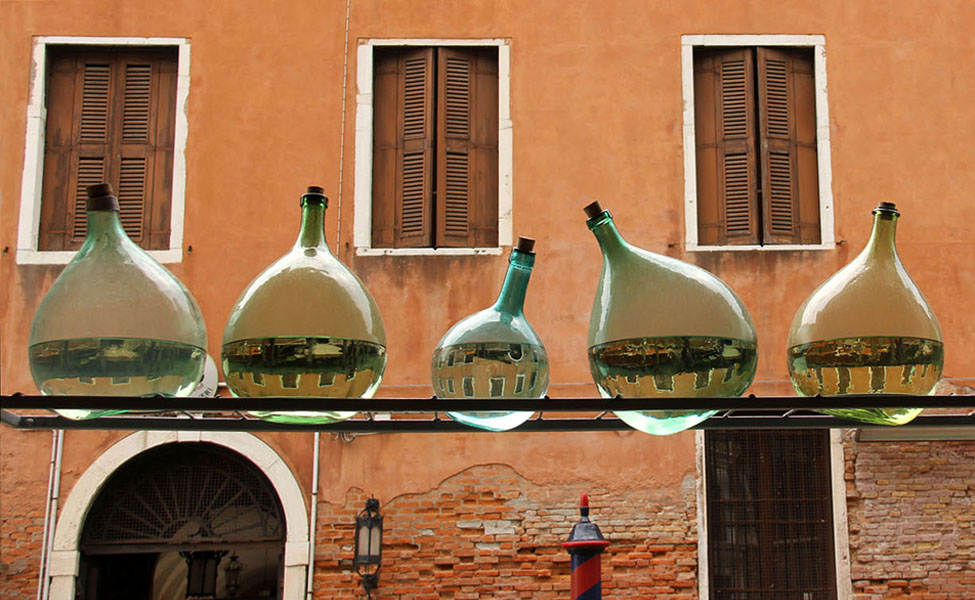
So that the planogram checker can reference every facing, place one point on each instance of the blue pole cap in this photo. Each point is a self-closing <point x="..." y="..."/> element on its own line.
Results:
<point x="585" y="534"/>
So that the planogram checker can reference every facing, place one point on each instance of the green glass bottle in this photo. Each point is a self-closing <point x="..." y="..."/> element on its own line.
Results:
<point x="494" y="353"/>
<point x="305" y="326"/>
<point x="661" y="327"/>
<point x="115" y="322"/>
<point x="868" y="330"/>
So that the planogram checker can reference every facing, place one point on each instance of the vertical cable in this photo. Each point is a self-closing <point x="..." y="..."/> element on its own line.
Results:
<point x="345" y="82"/>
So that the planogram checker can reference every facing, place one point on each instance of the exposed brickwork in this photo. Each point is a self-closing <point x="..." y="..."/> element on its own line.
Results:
<point x="912" y="519"/>
<point x="23" y="486"/>
<point x="489" y="533"/>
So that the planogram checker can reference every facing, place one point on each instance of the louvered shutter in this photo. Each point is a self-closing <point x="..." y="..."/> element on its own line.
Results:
<point x="111" y="117"/>
<point x="403" y="159"/>
<point x="467" y="147"/>
<point x="787" y="117"/>
<point x="727" y="174"/>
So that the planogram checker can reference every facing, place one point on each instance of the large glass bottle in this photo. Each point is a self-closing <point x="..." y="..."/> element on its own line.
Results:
<point x="868" y="330"/>
<point x="494" y="353"/>
<point x="115" y="322"/>
<point x="661" y="327"/>
<point x="305" y="326"/>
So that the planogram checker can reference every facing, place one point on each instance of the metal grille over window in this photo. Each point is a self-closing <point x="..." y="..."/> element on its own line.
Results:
<point x="769" y="516"/>
<point x="186" y="493"/>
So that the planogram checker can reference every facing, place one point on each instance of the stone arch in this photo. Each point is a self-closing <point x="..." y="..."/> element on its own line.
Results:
<point x="65" y="555"/>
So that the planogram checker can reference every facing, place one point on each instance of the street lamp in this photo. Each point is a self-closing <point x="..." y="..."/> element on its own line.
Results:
<point x="232" y="575"/>
<point x="369" y="545"/>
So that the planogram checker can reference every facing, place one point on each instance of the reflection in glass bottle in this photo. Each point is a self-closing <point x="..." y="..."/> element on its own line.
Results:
<point x="494" y="353"/>
<point x="115" y="322"/>
<point x="306" y="326"/>
<point x="661" y="327"/>
<point x="868" y="330"/>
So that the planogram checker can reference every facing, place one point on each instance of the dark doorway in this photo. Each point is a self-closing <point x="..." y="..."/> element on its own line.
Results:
<point x="118" y="576"/>
<point x="178" y="500"/>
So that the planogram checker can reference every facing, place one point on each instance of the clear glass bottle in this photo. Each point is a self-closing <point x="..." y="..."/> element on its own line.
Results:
<point x="661" y="327"/>
<point x="868" y="330"/>
<point x="305" y="326"/>
<point x="494" y="353"/>
<point x="115" y="322"/>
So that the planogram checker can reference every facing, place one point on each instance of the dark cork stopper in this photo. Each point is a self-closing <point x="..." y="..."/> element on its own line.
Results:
<point x="593" y="210"/>
<point x="101" y="197"/>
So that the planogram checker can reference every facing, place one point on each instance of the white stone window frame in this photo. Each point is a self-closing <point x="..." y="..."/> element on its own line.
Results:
<point x="841" y="536"/>
<point x="362" y="232"/>
<point x="818" y="43"/>
<point x="28" y="229"/>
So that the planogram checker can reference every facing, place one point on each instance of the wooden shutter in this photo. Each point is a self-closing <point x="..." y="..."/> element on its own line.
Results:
<point x="727" y="173"/>
<point x="790" y="174"/>
<point x="467" y="147"/>
<point x="403" y="161"/>
<point x="111" y="117"/>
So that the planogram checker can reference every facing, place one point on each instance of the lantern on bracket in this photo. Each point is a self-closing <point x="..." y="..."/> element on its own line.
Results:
<point x="369" y="545"/>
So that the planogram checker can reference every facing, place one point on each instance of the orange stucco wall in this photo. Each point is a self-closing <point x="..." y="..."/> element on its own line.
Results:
<point x="596" y="108"/>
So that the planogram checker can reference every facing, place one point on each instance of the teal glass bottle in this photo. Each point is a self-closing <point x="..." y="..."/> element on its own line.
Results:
<point x="305" y="326"/>
<point x="494" y="353"/>
<point x="661" y="327"/>
<point x="868" y="330"/>
<point x="115" y="322"/>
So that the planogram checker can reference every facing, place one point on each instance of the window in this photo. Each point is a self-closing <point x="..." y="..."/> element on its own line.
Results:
<point x="759" y="146"/>
<point x="104" y="109"/>
<point x="109" y="118"/>
<point x="769" y="515"/>
<point x="433" y="147"/>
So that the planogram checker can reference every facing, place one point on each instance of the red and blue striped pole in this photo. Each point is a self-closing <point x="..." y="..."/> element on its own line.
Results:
<point x="585" y="544"/>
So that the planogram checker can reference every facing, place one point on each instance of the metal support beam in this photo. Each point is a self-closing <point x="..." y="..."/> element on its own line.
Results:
<point x="427" y="415"/>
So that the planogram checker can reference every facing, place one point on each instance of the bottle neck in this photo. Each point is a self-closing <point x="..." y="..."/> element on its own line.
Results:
<point x="511" y="300"/>
<point x="609" y="238"/>
<point x="881" y="244"/>
<point x="312" y="233"/>
<point x="104" y="226"/>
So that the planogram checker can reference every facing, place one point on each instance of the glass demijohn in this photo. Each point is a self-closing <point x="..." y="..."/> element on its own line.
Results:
<point x="868" y="330"/>
<point x="661" y="327"/>
<point x="115" y="322"/>
<point x="306" y="326"/>
<point x="494" y="353"/>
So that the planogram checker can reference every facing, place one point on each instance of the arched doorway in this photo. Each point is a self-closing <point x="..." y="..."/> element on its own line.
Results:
<point x="175" y="504"/>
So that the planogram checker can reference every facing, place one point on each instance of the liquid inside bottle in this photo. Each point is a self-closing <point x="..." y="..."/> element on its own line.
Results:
<point x="679" y="367"/>
<point x="490" y="370"/>
<point x="868" y="365"/>
<point x="299" y="366"/>
<point x="114" y="367"/>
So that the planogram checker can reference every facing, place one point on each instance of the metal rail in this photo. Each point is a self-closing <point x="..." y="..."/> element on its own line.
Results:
<point x="428" y="415"/>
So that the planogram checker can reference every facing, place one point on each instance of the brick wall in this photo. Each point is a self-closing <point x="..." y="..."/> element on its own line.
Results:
<point x="24" y="458"/>
<point x="912" y="519"/>
<point x="489" y="533"/>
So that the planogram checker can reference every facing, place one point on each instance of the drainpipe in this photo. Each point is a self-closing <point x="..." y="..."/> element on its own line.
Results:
<point x="50" y="513"/>
<point x="313" y="520"/>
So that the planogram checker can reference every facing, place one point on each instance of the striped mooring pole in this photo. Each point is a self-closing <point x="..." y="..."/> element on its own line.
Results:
<point x="585" y="544"/>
